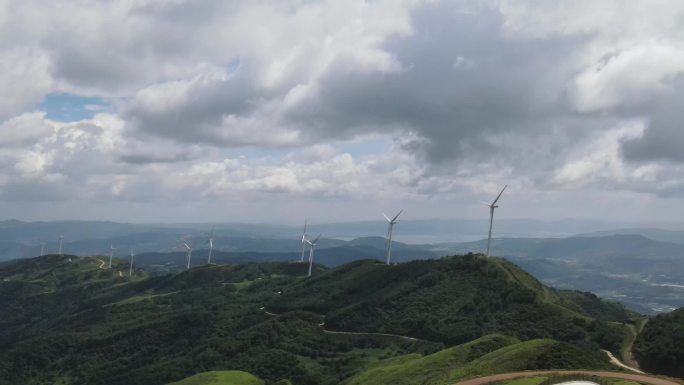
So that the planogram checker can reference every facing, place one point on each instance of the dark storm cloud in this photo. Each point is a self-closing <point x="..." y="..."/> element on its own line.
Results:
<point x="462" y="82"/>
<point x="663" y="138"/>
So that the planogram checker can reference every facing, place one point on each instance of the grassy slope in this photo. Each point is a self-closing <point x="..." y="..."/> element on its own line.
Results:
<point x="226" y="377"/>
<point x="487" y="355"/>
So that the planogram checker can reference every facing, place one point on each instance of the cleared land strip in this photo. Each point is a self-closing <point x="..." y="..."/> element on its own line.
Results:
<point x="623" y="376"/>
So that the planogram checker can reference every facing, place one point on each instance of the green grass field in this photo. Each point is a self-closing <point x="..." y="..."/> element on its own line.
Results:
<point x="228" y="377"/>
<point x="487" y="355"/>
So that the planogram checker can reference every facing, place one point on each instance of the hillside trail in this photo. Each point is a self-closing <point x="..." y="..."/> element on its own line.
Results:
<point x="322" y="325"/>
<point x="628" y="355"/>
<point x="102" y="263"/>
<point x="644" y="379"/>
<point x="369" y="334"/>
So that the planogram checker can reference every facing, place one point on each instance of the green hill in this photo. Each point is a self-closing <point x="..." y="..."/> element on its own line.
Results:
<point x="71" y="322"/>
<point x="487" y="355"/>
<point x="660" y="346"/>
<point x="451" y="300"/>
<point x="226" y="377"/>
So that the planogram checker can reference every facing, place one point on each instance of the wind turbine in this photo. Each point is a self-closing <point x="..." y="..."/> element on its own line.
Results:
<point x="111" y="254"/>
<point x="42" y="249"/>
<point x="130" y="268"/>
<point x="189" y="254"/>
<point x="492" y="206"/>
<point x="390" y="226"/>
<point x="61" y="238"/>
<point x="211" y="245"/>
<point x="303" y="242"/>
<point x="312" y="245"/>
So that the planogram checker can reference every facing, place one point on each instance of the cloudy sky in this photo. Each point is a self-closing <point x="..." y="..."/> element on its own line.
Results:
<point x="213" y="110"/>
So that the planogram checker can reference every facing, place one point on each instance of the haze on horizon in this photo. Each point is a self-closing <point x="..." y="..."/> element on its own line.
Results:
<point x="272" y="111"/>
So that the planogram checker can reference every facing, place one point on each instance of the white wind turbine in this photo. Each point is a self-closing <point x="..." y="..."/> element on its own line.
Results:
<point x="130" y="268"/>
<point x="42" y="249"/>
<point x="492" y="206"/>
<point x="189" y="256"/>
<point x="303" y="242"/>
<point x="312" y="245"/>
<point x="111" y="254"/>
<point x="61" y="238"/>
<point x="211" y="245"/>
<point x="390" y="226"/>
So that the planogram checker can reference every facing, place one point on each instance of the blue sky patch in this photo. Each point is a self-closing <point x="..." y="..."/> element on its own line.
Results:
<point x="69" y="108"/>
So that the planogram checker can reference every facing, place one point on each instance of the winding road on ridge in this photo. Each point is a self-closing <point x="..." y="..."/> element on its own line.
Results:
<point x="644" y="379"/>
<point x="322" y="325"/>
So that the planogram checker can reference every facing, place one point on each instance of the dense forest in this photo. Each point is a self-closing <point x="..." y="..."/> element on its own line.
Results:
<point x="66" y="320"/>
<point x="660" y="346"/>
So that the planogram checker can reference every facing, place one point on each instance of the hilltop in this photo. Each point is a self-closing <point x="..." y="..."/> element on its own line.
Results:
<point x="95" y="327"/>
<point x="228" y="377"/>
<point x="453" y="300"/>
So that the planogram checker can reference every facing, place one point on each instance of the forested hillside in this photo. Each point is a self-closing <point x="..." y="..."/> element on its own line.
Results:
<point x="69" y="320"/>
<point x="453" y="300"/>
<point x="660" y="346"/>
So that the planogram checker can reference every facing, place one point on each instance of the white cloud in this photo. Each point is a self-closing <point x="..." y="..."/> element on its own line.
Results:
<point x="464" y="97"/>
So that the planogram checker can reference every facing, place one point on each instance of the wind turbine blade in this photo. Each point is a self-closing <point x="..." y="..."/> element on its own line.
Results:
<point x="499" y="196"/>
<point x="386" y="217"/>
<point x="316" y="239"/>
<point x="397" y="216"/>
<point x="186" y="246"/>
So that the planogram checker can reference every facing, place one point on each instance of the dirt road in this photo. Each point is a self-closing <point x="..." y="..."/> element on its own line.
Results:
<point x="617" y="362"/>
<point x="645" y="379"/>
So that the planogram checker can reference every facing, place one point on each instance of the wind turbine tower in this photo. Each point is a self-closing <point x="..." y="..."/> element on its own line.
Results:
<point x="189" y="257"/>
<point x="492" y="206"/>
<point x="312" y="245"/>
<point x="61" y="239"/>
<point x="303" y="242"/>
<point x="130" y="267"/>
<point x="42" y="249"/>
<point x="390" y="226"/>
<point x="111" y="254"/>
<point x="211" y="245"/>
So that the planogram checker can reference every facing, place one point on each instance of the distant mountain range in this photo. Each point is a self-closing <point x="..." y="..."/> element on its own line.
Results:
<point x="23" y="239"/>
<point x="642" y="267"/>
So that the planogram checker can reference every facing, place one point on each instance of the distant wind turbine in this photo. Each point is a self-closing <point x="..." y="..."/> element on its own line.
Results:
<point x="42" y="249"/>
<point x="211" y="245"/>
<point x="111" y="254"/>
<point x="312" y="245"/>
<point x="492" y="206"/>
<point x="189" y="257"/>
<point x="61" y="238"/>
<point x="390" y="226"/>
<point x="130" y="268"/>
<point x="303" y="242"/>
